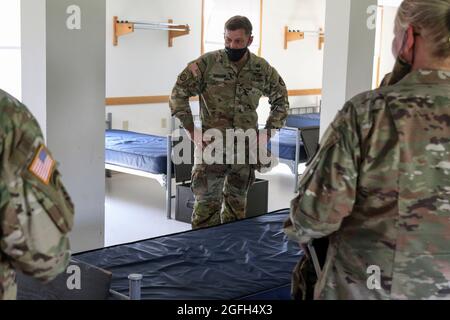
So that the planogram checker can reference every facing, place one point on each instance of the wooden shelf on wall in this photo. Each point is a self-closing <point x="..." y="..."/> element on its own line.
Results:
<point x="321" y="39"/>
<point x="294" y="35"/>
<point x="121" y="29"/>
<point x="304" y="92"/>
<point x="124" y="27"/>
<point x="177" y="33"/>
<point x="121" y="101"/>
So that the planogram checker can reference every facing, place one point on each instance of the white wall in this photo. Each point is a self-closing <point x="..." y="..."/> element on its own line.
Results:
<point x="143" y="65"/>
<point x="301" y="65"/>
<point x="390" y="3"/>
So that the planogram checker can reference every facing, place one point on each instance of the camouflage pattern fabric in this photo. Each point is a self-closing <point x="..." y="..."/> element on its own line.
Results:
<point x="220" y="193"/>
<point x="229" y="96"/>
<point x="379" y="187"/>
<point x="35" y="214"/>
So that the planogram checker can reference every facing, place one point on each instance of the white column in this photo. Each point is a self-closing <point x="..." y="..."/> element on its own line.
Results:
<point x="34" y="59"/>
<point x="349" y="52"/>
<point x="64" y="86"/>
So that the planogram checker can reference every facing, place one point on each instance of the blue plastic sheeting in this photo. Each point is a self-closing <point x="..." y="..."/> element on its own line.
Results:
<point x="284" y="140"/>
<point x="248" y="258"/>
<point x="303" y="120"/>
<point x="136" y="151"/>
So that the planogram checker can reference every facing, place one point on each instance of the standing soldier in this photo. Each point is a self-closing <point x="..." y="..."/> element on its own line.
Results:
<point x="230" y="83"/>
<point x="35" y="211"/>
<point x="379" y="185"/>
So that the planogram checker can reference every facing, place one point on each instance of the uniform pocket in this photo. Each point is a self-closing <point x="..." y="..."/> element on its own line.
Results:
<point x="216" y="79"/>
<point x="251" y="178"/>
<point x="328" y="141"/>
<point x="199" y="181"/>
<point x="52" y="198"/>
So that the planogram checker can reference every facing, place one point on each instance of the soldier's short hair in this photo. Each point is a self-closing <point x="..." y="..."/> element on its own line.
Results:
<point x="239" y="22"/>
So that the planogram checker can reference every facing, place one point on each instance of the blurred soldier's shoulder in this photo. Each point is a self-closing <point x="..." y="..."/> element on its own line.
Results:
<point x="15" y="115"/>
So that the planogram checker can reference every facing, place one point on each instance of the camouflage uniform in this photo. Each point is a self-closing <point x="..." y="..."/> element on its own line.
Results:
<point x="229" y="97"/>
<point x="35" y="211"/>
<point x="379" y="187"/>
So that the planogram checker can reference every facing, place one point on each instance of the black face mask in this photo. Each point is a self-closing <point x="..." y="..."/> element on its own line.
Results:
<point x="235" y="54"/>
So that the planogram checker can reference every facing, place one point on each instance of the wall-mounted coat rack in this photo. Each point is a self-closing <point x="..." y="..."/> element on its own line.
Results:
<point x="123" y="27"/>
<point x="293" y="35"/>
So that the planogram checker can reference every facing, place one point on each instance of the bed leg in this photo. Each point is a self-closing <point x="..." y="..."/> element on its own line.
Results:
<point x="169" y="178"/>
<point x="297" y="160"/>
<point x="109" y="121"/>
<point x="135" y="286"/>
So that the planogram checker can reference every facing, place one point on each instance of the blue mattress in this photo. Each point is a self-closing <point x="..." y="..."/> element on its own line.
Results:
<point x="284" y="140"/>
<point x="303" y="120"/>
<point x="136" y="151"/>
<point x="247" y="259"/>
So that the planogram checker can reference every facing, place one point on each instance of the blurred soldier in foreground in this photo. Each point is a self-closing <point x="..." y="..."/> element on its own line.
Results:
<point x="36" y="213"/>
<point x="379" y="186"/>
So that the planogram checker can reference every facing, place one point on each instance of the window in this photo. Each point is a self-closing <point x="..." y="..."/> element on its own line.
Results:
<point x="10" y="48"/>
<point x="217" y="12"/>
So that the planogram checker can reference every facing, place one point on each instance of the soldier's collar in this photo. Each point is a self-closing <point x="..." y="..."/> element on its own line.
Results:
<point x="225" y="60"/>
<point x="250" y="61"/>
<point x="248" y="66"/>
<point x="427" y="77"/>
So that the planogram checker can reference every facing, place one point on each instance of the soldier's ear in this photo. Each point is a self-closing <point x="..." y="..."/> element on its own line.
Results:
<point x="409" y="45"/>
<point x="250" y="41"/>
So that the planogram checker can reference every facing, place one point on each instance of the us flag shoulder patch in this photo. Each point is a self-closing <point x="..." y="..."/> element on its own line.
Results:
<point x="42" y="165"/>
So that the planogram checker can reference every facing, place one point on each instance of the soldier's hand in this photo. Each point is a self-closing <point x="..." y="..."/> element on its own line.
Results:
<point x="196" y="137"/>
<point x="287" y="223"/>
<point x="305" y="249"/>
<point x="263" y="138"/>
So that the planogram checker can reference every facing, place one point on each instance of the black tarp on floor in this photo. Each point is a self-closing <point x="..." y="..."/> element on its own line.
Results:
<point x="248" y="258"/>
